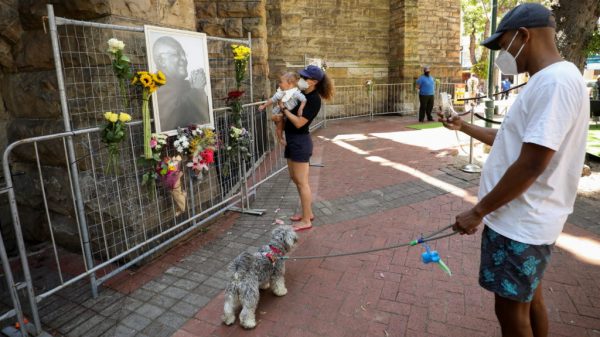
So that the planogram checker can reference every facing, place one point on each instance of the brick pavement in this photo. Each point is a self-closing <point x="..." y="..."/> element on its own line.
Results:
<point x="382" y="184"/>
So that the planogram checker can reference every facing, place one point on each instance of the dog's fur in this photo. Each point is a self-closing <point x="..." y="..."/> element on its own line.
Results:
<point x="262" y="269"/>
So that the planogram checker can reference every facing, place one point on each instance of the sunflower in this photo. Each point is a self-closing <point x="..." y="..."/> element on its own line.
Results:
<point x="159" y="78"/>
<point x="135" y="80"/>
<point x="146" y="80"/>
<point x="152" y="88"/>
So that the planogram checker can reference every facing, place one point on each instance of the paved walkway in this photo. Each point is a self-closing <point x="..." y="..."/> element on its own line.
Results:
<point x="382" y="184"/>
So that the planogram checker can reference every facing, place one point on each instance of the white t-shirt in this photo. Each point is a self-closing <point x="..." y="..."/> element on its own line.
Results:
<point x="552" y="111"/>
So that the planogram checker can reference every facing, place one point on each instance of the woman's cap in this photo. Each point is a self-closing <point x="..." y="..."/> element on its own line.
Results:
<point x="312" y="72"/>
<point x="527" y="15"/>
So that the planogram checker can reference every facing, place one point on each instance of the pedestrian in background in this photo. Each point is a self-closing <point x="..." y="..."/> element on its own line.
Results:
<point x="426" y="87"/>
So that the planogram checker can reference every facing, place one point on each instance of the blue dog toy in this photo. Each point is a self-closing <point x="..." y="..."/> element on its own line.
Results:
<point x="432" y="256"/>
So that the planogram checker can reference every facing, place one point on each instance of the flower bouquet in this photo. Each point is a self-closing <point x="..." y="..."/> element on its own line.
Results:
<point x="169" y="172"/>
<point x="199" y="145"/>
<point x="241" y="58"/>
<point x="239" y="142"/>
<point x="157" y="142"/>
<point x="149" y="83"/>
<point x="201" y="149"/>
<point x="113" y="134"/>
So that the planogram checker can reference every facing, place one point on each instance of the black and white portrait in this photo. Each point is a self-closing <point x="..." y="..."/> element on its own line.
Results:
<point x="186" y="97"/>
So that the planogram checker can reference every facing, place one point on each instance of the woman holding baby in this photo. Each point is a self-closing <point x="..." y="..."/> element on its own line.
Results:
<point x="315" y="85"/>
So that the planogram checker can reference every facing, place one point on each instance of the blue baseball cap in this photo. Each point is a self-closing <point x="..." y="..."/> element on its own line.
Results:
<point x="527" y="15"/>
<point x="312" y="72"/>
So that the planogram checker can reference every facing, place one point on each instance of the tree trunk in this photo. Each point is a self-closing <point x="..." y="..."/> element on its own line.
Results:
<point x="575" y="23"/>
<point x="485" y="53"/>
<point x="473" y="47"/>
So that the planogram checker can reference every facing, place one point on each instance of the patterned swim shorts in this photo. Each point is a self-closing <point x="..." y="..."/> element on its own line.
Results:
<point x="510" y="268"/>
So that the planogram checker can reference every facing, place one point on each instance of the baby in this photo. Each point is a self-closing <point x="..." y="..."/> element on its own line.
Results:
<point x="290" y="96"/>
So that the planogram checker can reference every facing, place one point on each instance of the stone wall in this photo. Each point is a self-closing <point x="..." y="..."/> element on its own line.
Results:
<point x="351" y="36"/>
<point x="425" y="32"/>
<point x="235" y="19"/>
<point x="384" y="40"/>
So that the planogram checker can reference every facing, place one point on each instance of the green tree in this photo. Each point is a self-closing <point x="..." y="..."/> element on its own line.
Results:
<point x="577" y="29"/>
<point x="476" y="23"/>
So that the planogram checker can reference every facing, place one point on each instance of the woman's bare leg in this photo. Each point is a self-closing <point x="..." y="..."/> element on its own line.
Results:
<point x="299" y="174"/>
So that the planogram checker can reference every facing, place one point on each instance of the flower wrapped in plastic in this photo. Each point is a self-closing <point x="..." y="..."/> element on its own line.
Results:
<point x="239" y="142"/>
<point x="241" y="58"/>
<point x="169" y="172"/>
<point x="202" y="146"/>
<point x="121" y="65"/>
<point x="149" y="83"/>
<point x="157" y="142"/>
<point x="113" y="134"/>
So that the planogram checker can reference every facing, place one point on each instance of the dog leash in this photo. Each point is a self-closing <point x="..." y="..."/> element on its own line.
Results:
<point x="431" y="237"/>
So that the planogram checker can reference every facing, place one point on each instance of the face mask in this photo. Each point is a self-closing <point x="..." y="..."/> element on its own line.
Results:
<point x="506" y="62"/>
<point x="302" y="84"/>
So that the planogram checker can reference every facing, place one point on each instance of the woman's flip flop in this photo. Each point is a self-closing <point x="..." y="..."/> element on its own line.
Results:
<point x="298" y="217"/>
<point x="301" y="228"/>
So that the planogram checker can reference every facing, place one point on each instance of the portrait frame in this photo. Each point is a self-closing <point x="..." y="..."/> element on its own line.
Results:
<point x="181" y="101"/>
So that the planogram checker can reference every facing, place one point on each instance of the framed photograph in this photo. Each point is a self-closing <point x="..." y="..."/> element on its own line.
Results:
<point x="186" y="97"/>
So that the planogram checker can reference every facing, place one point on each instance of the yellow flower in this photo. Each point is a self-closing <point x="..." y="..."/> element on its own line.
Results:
<point x="134" y="80"/>
<point x="113" y="118"/>
<point x="140" y="73"/>
<point x="208" y="133"/>
<point x="107" y="115"/>
<point x="152" y="88"/>
<point x="159" y="78"/>
<point x="172" y="167"/>
<point x="146" y="80"/>
<point x="123" y="117"/>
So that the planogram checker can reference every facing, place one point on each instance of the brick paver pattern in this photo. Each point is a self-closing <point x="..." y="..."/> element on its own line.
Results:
<point x="381" y="184"/>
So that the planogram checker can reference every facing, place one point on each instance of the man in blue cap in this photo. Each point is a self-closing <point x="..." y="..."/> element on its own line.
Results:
<point x="529" y="181"/>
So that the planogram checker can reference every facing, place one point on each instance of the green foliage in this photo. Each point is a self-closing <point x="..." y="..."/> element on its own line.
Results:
<point x="593" y="46"/>
<point x="476" y="14"/>
<point x="481" y="69"/>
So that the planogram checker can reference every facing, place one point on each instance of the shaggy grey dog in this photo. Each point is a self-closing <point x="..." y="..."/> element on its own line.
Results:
<point x="262" y="269"/>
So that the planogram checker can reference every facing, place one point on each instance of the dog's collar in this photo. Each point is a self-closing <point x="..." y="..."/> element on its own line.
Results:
<point x="273" y="254"/>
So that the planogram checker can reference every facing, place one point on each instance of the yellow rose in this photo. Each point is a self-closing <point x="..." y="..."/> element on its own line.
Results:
<point x="113" y="118"/>
<point x="123" y="117"/>
<point x="107" y="115"/>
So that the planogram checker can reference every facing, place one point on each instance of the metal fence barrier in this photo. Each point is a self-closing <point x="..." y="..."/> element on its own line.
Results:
<point x="98" y="224"/>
